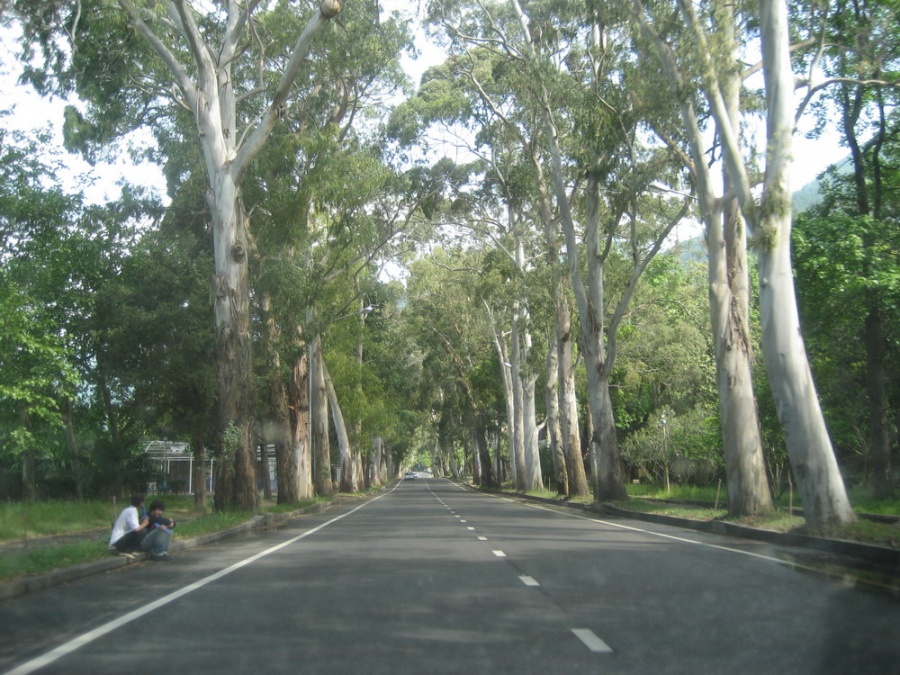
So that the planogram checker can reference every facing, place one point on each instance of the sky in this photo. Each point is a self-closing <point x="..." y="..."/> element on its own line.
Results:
<point x="32" y="112"/>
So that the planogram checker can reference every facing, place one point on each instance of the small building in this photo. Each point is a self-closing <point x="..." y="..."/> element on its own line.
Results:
<point x="175" y="463"/>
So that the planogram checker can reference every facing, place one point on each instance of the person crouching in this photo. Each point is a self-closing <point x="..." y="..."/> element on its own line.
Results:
<point x="130" y="528"/>
<point x="159" y="533"/>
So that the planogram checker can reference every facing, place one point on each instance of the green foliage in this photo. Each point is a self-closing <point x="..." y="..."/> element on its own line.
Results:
<point x="35" y="365"/>
<point x="846" y="265"/>
<point x="686" y="448"/>
<point x="665" y="349"/>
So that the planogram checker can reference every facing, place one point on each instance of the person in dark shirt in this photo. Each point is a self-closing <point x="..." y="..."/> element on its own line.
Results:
<point x="159" y="532"/>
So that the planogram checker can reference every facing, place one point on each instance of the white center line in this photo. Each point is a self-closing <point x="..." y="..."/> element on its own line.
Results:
<point x="591" y="641"/>
<point x="529" y="581"/>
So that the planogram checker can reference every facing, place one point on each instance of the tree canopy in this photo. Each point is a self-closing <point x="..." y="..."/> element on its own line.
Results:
<point x="481" y="273"/>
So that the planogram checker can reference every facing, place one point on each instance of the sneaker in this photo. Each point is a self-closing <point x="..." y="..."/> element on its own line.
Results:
<point x="126" y="554"/>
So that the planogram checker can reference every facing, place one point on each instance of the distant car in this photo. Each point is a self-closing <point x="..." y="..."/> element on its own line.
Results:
<point x="410" y="475"/>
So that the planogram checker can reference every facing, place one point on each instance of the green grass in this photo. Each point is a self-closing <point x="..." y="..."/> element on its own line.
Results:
<point x="20" y="521"/>
<point x="25" y="521"/>
<point x="59" y="518"/>
<point x="866" y="531"/>
<point x="42" y="560"/>
<point x="694" y="513"/>
<point x="860" y="498"/>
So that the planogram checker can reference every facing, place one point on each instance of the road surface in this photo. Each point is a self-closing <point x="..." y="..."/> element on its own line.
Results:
<point x="430" y="577"/>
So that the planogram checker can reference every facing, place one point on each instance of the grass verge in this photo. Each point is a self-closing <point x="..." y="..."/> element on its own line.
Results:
<point x="35" y="558"/>
<point x="863" y="531"/>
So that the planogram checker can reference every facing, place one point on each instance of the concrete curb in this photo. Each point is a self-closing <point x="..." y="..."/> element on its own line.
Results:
<point x="871" y="553"/>
<point x="18" y="587"/>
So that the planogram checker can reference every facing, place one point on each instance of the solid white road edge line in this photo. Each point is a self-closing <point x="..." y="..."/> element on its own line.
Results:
<point x="662" y="535"/>
<point x="100" y="631"/>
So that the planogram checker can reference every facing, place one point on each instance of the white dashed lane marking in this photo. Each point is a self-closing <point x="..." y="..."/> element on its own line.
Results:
<point x="528" y="581"/>
<point x="591" y="641"/>
<point x="500" y="554"/>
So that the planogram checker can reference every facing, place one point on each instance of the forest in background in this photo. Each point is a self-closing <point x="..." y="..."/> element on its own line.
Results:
<point x="408" y="271"/>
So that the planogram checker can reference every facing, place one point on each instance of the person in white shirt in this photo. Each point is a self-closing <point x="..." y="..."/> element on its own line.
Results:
<point x="130" y="527"/>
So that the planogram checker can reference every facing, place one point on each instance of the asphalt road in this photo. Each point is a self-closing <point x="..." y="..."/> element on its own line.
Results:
<point x="433" y="578"/>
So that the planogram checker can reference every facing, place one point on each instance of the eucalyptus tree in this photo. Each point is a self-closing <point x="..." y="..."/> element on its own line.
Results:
<point x="725" y="233"/>
<point x="317" y="230"/>
<point x="212" y="63"/>
<point x="506" y="137"/>
<point x="812" y="456"/>
<point x="455" y="98"/>
<point x="570" y="85"/>
<point x="453" y="335"/>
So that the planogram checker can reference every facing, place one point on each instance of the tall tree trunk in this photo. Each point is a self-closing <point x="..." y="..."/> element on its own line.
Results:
<point x="748" y="488"/>
<point x="198" y="449"/>
<point x="359" y="469"/>
<point x="476" y="457"/>
<point x="534" y="479"/>
<point x="236" y="479"/>
<point x="574" y="481"/>
<point x="506" y="375"/>
<point x="488" y="477"/>
<point x="748" y="491"/>
<point x="809" y="446"/>
<point x="29" y="462"/>
<point x="348" y="479"/>
<point x="277" y="429"/>
<point x="517" y="422"/>
<point x="609" y="478"/>
<point x="374" y="458"/>
<point x="554" y="425"/>
<point x="568" y="403"/>
<point x="299" y="473"/>
<point x="728" y="284"/>
<point x="318" y="410"/>
<point x="609" y="483"/>
<point x="72" y="448"/>
<point x="873" y="337"/>
<point x="512" y="432"/>
<point x="265" y="475"/>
